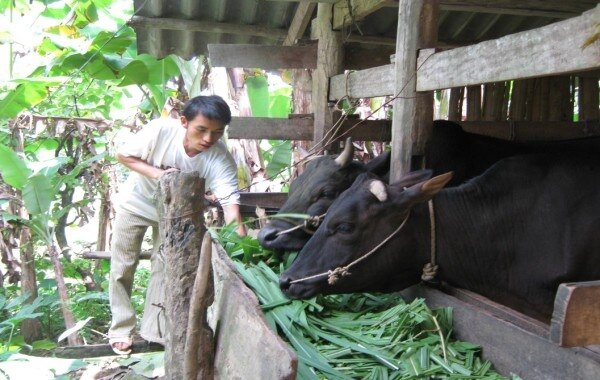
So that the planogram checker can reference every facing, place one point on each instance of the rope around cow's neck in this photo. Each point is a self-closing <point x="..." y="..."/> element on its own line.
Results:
<point x="309" y="225"/>
<point x="334" y="275"/>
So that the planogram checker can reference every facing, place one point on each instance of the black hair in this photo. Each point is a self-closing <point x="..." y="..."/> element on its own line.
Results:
<point x="212" y="107"/>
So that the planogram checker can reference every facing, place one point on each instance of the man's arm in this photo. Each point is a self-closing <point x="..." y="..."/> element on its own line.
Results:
<point x="231" y="213"/>
<point x="140" y="166"/>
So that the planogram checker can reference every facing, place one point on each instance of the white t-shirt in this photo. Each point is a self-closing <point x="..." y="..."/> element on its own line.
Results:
<point x="160" y="144"/>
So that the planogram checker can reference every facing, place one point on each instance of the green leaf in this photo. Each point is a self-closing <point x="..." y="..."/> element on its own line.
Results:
<point x="258" y="95"/>
<point x="136" y="72"/>
<point x="13" y="169"/>
<point x="106" y="43"/>
<point x="38" y="194"/>
<point x="281" y="159"/>
<point x="56" y="13"/>
<point x="22" y="98"/>
<point x="280" y="102"/>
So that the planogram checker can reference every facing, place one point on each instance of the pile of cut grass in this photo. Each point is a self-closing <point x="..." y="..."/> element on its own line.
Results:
<point x="356" y="336"/>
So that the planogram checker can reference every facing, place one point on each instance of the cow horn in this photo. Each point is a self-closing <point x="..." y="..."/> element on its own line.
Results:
<point x="378" y="189"/>
<point x="346" y="156"/>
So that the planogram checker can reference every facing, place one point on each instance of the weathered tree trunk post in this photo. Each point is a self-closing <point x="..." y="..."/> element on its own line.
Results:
<point x="329" y="62"/>
<point x="182" y="228"/>
<point x="413" y="112"/>
<point x="199" y="357"/>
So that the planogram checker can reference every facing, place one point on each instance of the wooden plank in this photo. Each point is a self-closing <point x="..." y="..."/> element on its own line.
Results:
<point x="300" y="22"/>
<point x="533" y="131"/>
<point x="246" y="346"/>
<point x="263" y="56"/>
<point x="271" y="128"/>
<point x="366" y="83"/>
<point x="539" y="8"/>
<point x="510" y="345"/>
<point x="366" y="130"/>
<point x="205" y="26"/>
<point x="344" y="16"/>
<point x="264" y="200"/>
<point x="576" y="317"/>
<point x="552" y="49"/>
<point x="105" y="255"/>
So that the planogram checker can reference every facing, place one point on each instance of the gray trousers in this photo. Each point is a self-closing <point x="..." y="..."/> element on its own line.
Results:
<point x="128" y="235"/>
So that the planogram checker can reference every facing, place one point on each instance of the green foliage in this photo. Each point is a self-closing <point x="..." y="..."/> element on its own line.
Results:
<point x="357" y="336"/>
<point x="13" y="169"/>
<point x="13" y="312"/>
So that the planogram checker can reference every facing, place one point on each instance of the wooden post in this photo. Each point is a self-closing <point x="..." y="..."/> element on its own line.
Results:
<point x="199" y="359"/>
<point x="474" y="103"/>
<point x="576" y="316"/>
<point x="413" y="112"/>
<point x="455" y="104"/>
<point x="588" y="98"/>
<point x="329" y="63"/>
<point x="182" y="229"/>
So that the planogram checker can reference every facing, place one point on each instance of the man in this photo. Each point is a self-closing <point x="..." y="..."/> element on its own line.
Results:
<point x="164" y="146"/>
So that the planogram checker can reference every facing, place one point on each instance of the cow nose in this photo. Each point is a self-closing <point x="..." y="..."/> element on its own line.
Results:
<point x="267" y="234"/>
<point x="284" y="283"/>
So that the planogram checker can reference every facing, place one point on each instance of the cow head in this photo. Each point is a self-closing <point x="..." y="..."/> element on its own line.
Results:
<point x="362" y="217"/>
<point x="323" y="180"/>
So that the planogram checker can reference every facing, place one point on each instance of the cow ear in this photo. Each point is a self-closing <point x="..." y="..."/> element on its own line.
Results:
<point x="413" y="178"/>
<point x="378" y="189"/>
<point x="434" y="185"/>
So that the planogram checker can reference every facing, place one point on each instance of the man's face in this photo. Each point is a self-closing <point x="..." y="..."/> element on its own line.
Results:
<point x="201" y="134"/>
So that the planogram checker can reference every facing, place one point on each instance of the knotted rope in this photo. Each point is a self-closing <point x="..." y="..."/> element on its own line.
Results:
<point x="334" y="275"/>
<point x="309" y="225"/>
<point x="430" y="269"/>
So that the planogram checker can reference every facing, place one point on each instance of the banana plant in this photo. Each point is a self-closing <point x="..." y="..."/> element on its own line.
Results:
<point x="40" y="189"/>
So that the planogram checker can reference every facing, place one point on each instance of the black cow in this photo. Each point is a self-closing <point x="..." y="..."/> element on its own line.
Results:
<point x="323" y="180"/>
<point x="450" y="149"/>
<point x="512" y="234"/>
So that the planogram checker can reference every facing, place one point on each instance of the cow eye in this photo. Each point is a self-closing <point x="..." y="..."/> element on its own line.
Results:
<point x="345" y="228"/>
<point x="328" y="194"/>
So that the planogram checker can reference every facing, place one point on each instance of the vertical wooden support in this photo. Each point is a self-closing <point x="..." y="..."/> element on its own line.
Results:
<point x="474" y="103"/>
<point x="329" y="63"/>
<point x="588" y="99"/>
<point x="182" y="229"/>
<point x="413" y="112"/>
<point x="559" y="99"/>
<point x="455" y="104"/>
<point x="517" y="101"/>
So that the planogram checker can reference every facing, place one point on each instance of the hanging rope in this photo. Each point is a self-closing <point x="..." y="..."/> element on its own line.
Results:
<point x="334" y="275"/>
<point x="430" y="269"/>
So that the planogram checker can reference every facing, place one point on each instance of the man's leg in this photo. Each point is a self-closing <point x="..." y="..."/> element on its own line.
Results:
<point x="128" y="235"/>
<point x="153" y="322"/>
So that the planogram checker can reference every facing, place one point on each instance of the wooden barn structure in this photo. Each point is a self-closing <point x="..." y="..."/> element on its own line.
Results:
<point x="516" y="70"/>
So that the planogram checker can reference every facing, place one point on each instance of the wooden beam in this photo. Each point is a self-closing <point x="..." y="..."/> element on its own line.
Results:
<point x="533" y="130"/>
<point x="537" y="8"/>
<point x="263" y="56"/>
<point x="344" y="16"/>
<point x="300" y="22"/>
<point x="264" y="200"/>
<point x="307" y="1"/>
<point x="366" y="130"/>
<point x="205" y="26"/>
<point x="366" y="83"/>
<point x="105" y="255"/>
<point x="271" y="128"/>
<point x="510" y="344"/>
<point x="576" y="317"/>
<point x="371" y="40"/>
<point x="551" y="50"/>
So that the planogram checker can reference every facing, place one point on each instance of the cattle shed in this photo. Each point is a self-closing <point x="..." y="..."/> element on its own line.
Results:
<point x="514" y="70"/>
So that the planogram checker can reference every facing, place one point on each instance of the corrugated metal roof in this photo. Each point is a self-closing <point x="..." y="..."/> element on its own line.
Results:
<point x="186" y="27"/>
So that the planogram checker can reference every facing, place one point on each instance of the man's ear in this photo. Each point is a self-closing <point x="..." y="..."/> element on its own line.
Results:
<point x="184" y="121"/>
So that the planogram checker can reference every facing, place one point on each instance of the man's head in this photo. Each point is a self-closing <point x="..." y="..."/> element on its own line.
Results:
<point x="205" y="118"/>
